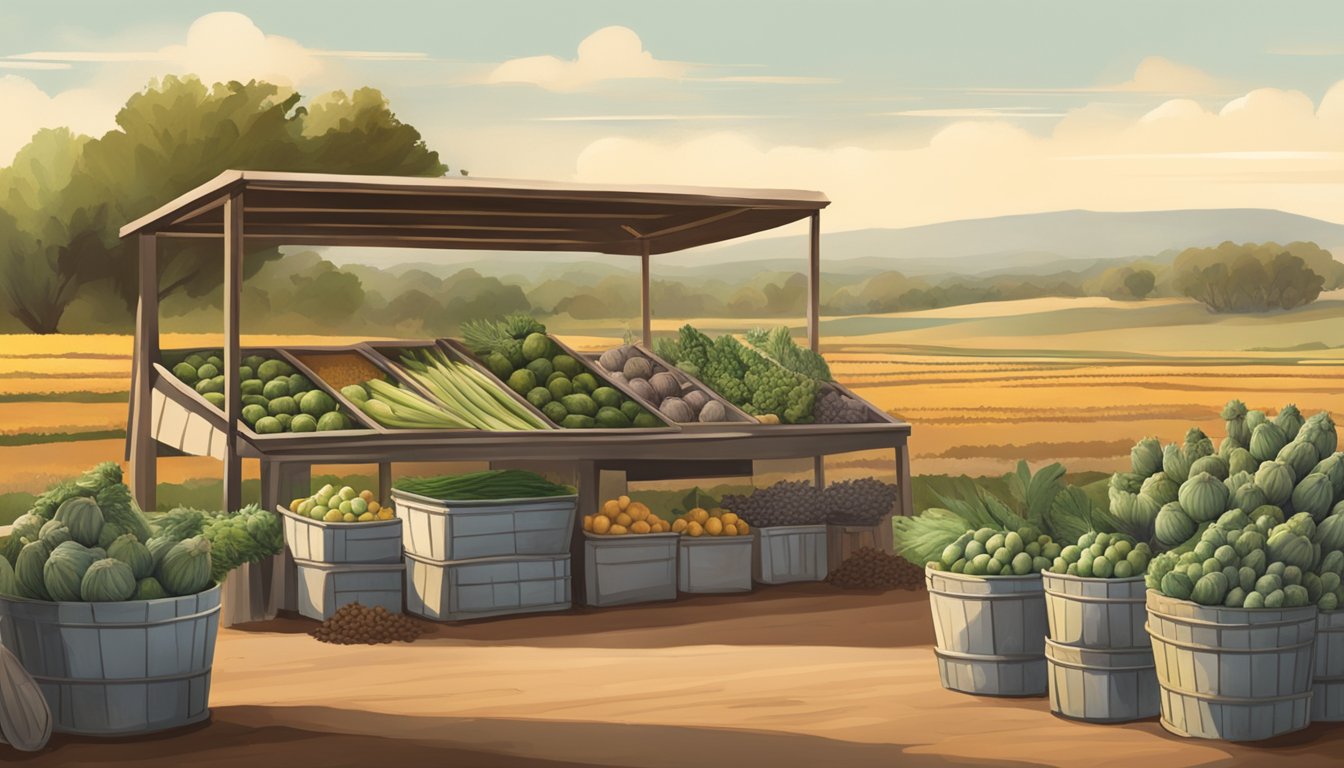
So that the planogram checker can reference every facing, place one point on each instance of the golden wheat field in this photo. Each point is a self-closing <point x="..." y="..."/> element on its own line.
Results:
<point x="971" y="413"/>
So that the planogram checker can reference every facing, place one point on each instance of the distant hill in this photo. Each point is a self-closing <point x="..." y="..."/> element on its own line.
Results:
<point x="1037" y="243"/>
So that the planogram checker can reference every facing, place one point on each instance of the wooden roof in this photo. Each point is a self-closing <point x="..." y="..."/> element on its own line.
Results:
<point x="468" y="213"/>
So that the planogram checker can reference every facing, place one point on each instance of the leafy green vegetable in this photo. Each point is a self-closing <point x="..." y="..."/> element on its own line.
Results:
<point x="247" y="536"/>
<point x="779" y="346"/>
<point x="747" y="378"/>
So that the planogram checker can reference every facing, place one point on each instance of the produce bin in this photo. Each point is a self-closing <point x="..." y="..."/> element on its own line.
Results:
<point x="1232" y="673"/>
<point x="383" y="353"/>
<point x="478" y="589"/>
<point x="1099" y="656"/>
<point x="620" y="570"/>
<point x="1327" y="687"/>
<point x="989" y="633"/>
<point x="376" y="541"/>
<point x="844" y="540"/>
<point x="789" y="553"/>
<point x="323" y="588"/>
<point x="440" y="530"/>
<point x="117" y="669"/>
<point x="732" y="414"/>
<point x="712" y="564"/>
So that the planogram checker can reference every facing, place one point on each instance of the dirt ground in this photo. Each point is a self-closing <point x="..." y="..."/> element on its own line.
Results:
<point x="788" y="676"/>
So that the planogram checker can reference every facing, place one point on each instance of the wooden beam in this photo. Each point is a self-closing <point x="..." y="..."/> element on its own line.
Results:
<point x="699" y="222"/>
<point x="233" y="294"/>
<point x="144" y="453"/>
<point x="645" y="308"/>
<point x="588" y="478"/>
<point x="907" y="506"/>
<point x="814" y="284"/>
<point x="385" y="483"/>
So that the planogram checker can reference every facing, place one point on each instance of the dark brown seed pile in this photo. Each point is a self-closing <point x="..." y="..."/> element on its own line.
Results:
<point x="355" y="624"/>
<point x="870" y="568"/>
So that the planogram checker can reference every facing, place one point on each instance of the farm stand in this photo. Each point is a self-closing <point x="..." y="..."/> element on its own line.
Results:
<point x="249" y="208"/>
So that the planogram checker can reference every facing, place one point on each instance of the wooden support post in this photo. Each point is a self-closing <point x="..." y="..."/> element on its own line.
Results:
<point x="588" y="478"/>
<point x="280" y="483"/>
<point x="814" y="285"/>
<point x="907" y="506"/>
<point x="385" y="483"/>
<point x="144" y="453"/>
<point x="814" y="318"/>
<point x="644" y="294"/>
<point x="233" y="292"/>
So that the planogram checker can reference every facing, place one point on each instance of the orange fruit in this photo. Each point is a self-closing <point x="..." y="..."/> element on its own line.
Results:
<point x="601" y="524"/>
<point x="587" y="522"/>
<point x="611" y="509"/>
<point x="714" y="526"/>
<point x="624" y="501"/>
<point x="742" y="528"/>
<point x="730" y="530"/>
<point x="639" y="526"/>
<point x="618" y="530"/>
<point x="694" y="529"/>
<point x="624" y="519"/>
<point x="679" y="525"/>
<point x="729" y="518"/>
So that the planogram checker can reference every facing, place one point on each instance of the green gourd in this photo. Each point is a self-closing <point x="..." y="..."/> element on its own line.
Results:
<point x="185" y="569"/>
<point x="130" y="551"/>
<point x="84" y="519"/>
<point x="64" y="570"/>
<point x="149" y="589"/>
<point x="28" y="569"/>
<point x="107" y="581"/>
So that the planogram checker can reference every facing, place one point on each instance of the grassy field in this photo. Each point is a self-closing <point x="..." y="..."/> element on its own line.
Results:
<point x="1069" y="380"/>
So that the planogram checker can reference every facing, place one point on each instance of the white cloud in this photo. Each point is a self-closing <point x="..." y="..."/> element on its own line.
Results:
<point x="29" y="109"/>
<point x="1158" y="74"/>
<point x="975" y="112"/>
<point x="1268" y="148"/>
<point x="610" y="53"/>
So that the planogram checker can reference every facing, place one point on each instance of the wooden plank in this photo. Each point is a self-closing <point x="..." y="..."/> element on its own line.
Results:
<point x="144" y="454"/>
<point x="668" y="469"/>
<point x="385" y="481"/>
<point x="233" y="294"/>
<point x="646" y="309"/>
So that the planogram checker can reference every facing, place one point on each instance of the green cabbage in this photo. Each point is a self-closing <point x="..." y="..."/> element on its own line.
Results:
<point x="107" y="581"/>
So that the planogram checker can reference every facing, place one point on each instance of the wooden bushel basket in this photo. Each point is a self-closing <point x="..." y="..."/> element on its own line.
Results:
<point x="989" y="632"/>
<point x="1232" y="673"/>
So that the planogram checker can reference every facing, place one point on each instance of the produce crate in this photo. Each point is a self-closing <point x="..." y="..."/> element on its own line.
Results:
<point x="619" y="570"/>
<point x="714" y="564"/>
<point x="300" y="355"/>
<point x="383" y="352"/>
<point x="734" y="415"/>
<point x="481" y="588"/>
<point x="252" y="592"/>
<point x="377" y="541"/>
<point x="117" y="669"/>
<point x="323" y="588"/>
<point x="874" y="415"/>
<point x="173" y="425"/>
<point x="844" y="540"/>
<point x="789" y="553"/>
<point x="461" y="530"/>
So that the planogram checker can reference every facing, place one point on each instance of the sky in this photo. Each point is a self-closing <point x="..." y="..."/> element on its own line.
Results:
<point x="903" y="113"/>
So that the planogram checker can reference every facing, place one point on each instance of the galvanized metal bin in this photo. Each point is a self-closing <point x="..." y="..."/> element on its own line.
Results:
<point x="440" y="530"/>
<point x="1099" y="658"/>
<point x="117" y="669"/>
<point x="377" y="541"/>
<point x="789" y="553"/>
<point x="989" y="633"/>
<point x="1327" y="688"/>
<point x="325" y="587"/>
<point x="1232" y="673"/>
<point x="478" y="589"/>
<point x="620" y="570"/>
<point x="714" y="564"/>
<point x="252" y="592"/>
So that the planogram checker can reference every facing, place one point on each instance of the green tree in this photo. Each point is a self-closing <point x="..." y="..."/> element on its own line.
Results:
<point x="179" y="133"/>
<point x="1140" y="283"/>
<point x="1246" y="278"/>
<point x="42" y="253"/>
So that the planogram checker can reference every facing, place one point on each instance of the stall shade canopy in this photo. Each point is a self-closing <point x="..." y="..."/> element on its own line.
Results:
<point x="466" y="213"/>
